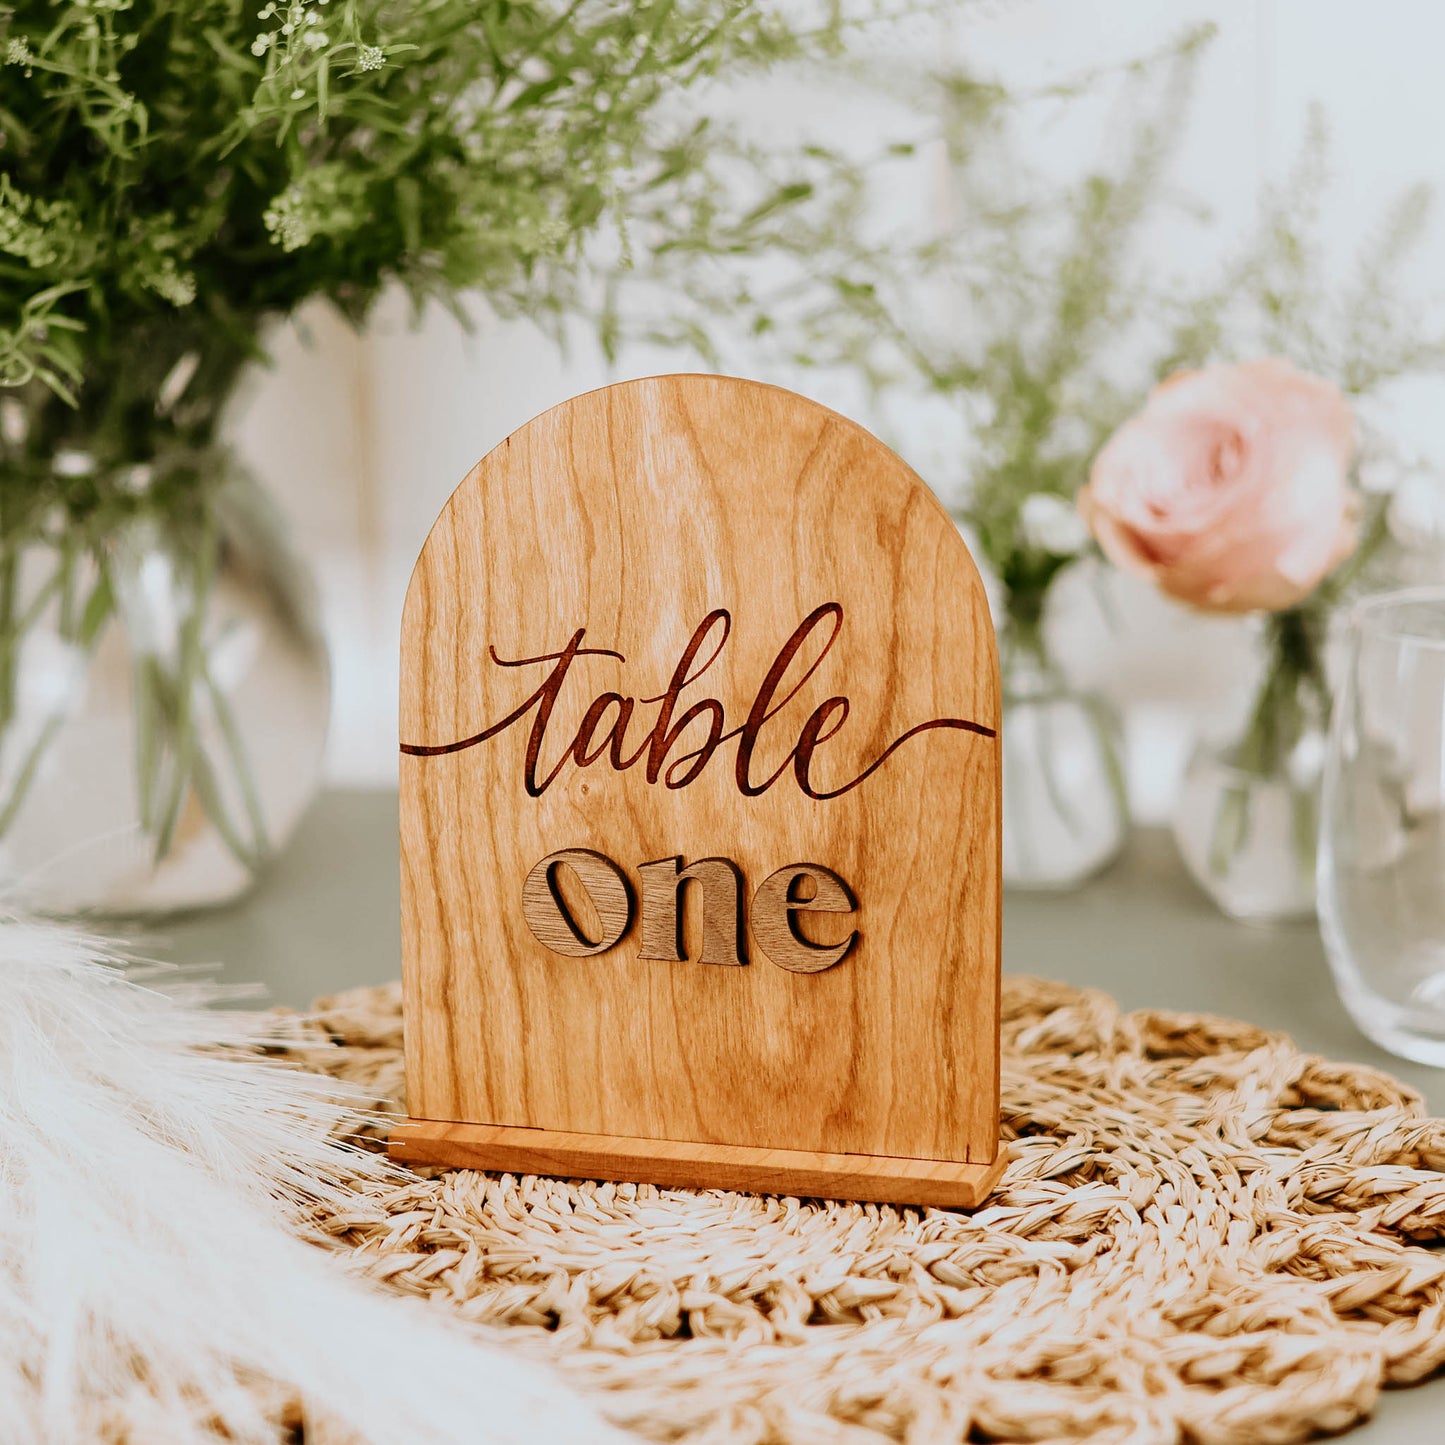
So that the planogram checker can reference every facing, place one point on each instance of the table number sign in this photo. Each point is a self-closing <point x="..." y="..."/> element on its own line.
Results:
<point x="700" y="809"/>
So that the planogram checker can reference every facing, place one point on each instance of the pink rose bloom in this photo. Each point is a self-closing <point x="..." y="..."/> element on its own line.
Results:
<point x="1230" y="490"/>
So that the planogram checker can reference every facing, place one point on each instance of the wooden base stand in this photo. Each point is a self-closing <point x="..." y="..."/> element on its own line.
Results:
<point x="865" y="1177"/>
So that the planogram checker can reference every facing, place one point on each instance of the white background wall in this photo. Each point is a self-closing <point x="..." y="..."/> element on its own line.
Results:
<point x="363" y="437"/>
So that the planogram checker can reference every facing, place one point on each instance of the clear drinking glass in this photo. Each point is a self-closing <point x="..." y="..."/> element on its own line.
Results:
<point x="1382" y="840"/>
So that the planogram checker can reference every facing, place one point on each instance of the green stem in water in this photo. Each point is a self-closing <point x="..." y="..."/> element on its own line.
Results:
<point x="25" y="775"/>
<point x="177" y="697"/>
<point x="78" y="631"/>
<point x="260" y="846"/>
<point x="170" y="703"/>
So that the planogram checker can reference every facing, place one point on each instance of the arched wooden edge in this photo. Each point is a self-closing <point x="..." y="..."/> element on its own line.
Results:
<point x="702" y="546"/>
<point x="864" y="1177"/>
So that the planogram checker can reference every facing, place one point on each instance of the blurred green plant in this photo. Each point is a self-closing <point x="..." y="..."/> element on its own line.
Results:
<point x="1032" y="307"/>
<point x="1042" y="306"/>
<point x="1039" y="309"/>
<point x="175" y="174"/>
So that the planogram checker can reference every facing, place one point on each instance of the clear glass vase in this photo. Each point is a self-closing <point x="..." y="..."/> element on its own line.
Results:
<point x="1064" y="808"/>
<point x="164" y="694"/>
<point x="1247" y="815"/>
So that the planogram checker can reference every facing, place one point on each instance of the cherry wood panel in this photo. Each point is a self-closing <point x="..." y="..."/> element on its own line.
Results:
<point x="699" y="527"/>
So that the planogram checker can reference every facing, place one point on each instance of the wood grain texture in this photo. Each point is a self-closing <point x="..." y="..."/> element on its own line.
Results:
<point x="773" y="647"/>
<point x="695" y="1166"/>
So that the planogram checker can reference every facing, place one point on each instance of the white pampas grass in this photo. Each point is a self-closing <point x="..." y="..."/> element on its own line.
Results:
<point x="153" y="1287"/>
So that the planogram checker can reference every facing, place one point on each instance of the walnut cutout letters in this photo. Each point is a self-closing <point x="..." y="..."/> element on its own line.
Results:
<point x="776" y="904"/>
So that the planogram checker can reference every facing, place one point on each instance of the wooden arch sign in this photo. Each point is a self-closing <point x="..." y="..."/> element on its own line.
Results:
<point x="700" y="809"/>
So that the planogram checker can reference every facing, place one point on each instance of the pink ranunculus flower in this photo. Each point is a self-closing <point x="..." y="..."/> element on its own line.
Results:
<point x="1230" y="489"/>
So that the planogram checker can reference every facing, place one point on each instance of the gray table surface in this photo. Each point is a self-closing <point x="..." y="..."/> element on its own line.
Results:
<point x="326" y="918"/>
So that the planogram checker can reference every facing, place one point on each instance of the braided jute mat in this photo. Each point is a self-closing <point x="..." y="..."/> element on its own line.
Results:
<point x="1203" y="1234"/>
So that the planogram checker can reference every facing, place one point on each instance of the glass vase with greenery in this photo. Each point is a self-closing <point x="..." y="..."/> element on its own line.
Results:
<point x="175" y="177"/>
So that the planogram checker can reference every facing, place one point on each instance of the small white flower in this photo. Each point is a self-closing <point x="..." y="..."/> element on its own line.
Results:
<point x="315" y="40"/>
<point x="1306" y="762"/>
<point x="71" y="462"/>
<point x="17" y="51"/>
<point x="1049" y="524"/>
<point x="370" y="57"/>
<point x="169" y="281"/>
<point x="261" y="44"/>
<point x="290" y="219"/>
<point x="137" y="479"/>
<point x="1378" y="471"/>
<point x="1403" y="416"/>
<point x="1416" y="515"/>
<point x="14" y="421"/>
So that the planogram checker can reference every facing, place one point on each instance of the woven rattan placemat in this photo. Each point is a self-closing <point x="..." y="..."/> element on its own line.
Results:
<point x="1203" y="1234"/>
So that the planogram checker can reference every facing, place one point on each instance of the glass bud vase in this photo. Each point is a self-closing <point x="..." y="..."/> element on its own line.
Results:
<point x="1247" y="815"/>
<point x="164" y="695"/>
<point x="1064" y="807"/>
